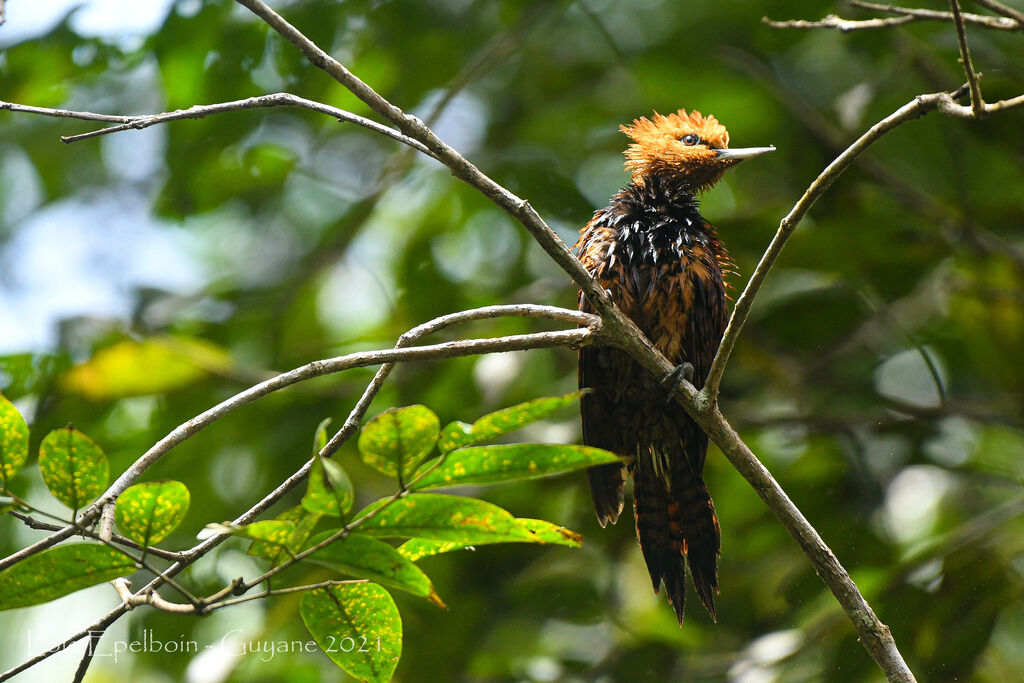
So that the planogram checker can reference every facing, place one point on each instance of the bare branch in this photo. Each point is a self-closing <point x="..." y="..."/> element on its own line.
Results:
<point x="1001" y="9"/>
<point x="132" y="600"/>
<point x="907" y="15"/>
<point x="836" y="22"/>
<point x="106" y="525"/>
<point x="34" y="523"/>
<point x="977" y="103"/>
<point x="281" y="99"/>
<point x="90" y="651"/>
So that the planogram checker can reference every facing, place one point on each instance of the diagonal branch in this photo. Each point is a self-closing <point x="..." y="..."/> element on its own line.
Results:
<point x="1001" y="9"/>
<point x="914" y="109"/>
<point x="977" y="103"/>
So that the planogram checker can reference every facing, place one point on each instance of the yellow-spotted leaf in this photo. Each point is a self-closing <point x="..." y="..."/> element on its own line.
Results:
<point x="510" y="462"/>
<point x="147" y="513"/>
<point x="150" y="366"/>
<point x="59" y="571"/>
<point x="460" y="434"/>
<point x="13" y="440"/>
<point x="541" y="532"/>
<point x="73" y="467"/>
<point x="399" y="439"/>
<point x="357" y="626"/>
<point x="442" y="518"/>
<point x="328" y="490"/>
<point x="363" y="557"/>
<point x="304" y="522"/>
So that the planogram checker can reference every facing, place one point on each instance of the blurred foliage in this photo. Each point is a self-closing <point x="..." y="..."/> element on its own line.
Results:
<point x="879" y="376"/>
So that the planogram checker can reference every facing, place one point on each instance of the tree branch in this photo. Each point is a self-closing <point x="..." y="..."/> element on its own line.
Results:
<point x="1000" y="8"/>
<point x="977" y="103"/>
<point x="281" y="99"/>
<point x="33" y="523"/>
<point x="907" y="15"/>
<point x="837" y="22"/>
<point x="916" y="108"/>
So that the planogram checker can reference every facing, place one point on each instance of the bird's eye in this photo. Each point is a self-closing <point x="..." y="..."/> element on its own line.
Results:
<point x="690" y="139"/>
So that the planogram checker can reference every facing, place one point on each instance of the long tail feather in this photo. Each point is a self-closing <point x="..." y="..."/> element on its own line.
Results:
<point x="676" y="526"/>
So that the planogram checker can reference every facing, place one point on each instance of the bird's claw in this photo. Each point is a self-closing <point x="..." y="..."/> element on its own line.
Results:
<point x="673" y="379"/>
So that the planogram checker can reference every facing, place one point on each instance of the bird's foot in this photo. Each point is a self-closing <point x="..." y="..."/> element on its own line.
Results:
<point x="672" y="380"/>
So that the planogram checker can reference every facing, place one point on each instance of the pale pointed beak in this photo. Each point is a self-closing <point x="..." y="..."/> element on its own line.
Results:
<point x="742" y="153"/>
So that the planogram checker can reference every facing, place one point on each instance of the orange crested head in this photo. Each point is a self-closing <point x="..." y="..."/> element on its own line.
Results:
<point x="691" y="148"/>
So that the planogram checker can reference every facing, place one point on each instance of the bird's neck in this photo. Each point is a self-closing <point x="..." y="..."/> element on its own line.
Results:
<point x="660" y="214"/>
<point x="669" y="197"/>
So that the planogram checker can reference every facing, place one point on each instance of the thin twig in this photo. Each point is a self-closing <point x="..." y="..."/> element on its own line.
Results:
<point x="1000" y="8"/>
<point x="836" y="22"/>
<point x="285" y="591"/>
<point x="907" y="15"/>
<point x="90" y="652"/>
<point x="998" y="23"/>
<point x="34" y="523"/>
<point x="281" y="99"/>
<point x="977" y="103"/>
<point x="432" y="327"/>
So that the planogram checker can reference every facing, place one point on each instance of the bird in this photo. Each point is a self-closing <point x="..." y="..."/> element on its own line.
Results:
<point x="664" y="266"/>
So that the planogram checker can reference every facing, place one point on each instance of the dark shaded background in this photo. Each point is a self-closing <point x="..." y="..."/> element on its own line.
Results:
<point x="879" y="376"/>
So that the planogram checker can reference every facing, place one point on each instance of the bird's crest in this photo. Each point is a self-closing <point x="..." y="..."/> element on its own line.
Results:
<point x="678" y="146"/>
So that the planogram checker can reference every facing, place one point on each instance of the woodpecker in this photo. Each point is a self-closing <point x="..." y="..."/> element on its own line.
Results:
<point x="664" y="266"/>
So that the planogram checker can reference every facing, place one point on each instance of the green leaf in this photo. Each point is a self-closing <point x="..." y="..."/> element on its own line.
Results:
<point x="151" y="366"/>
<point x="399" y="439"/>
<point x="304" y="522"/>
<point x="73" y="466"/>
<point x="13" y="440"/>
<point x="329" y="491"/>
<point x="367" y="558"/>
<point x="443" y="518"/>
<point x="510" y="462"/>
<point x="147" y="513"/>
<point x="542" y="532"/>
<point x="320" y="435"/>
<point x="460" y="434"/>
<point x="357" y="626"/>
<point x="59" y="571"/>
